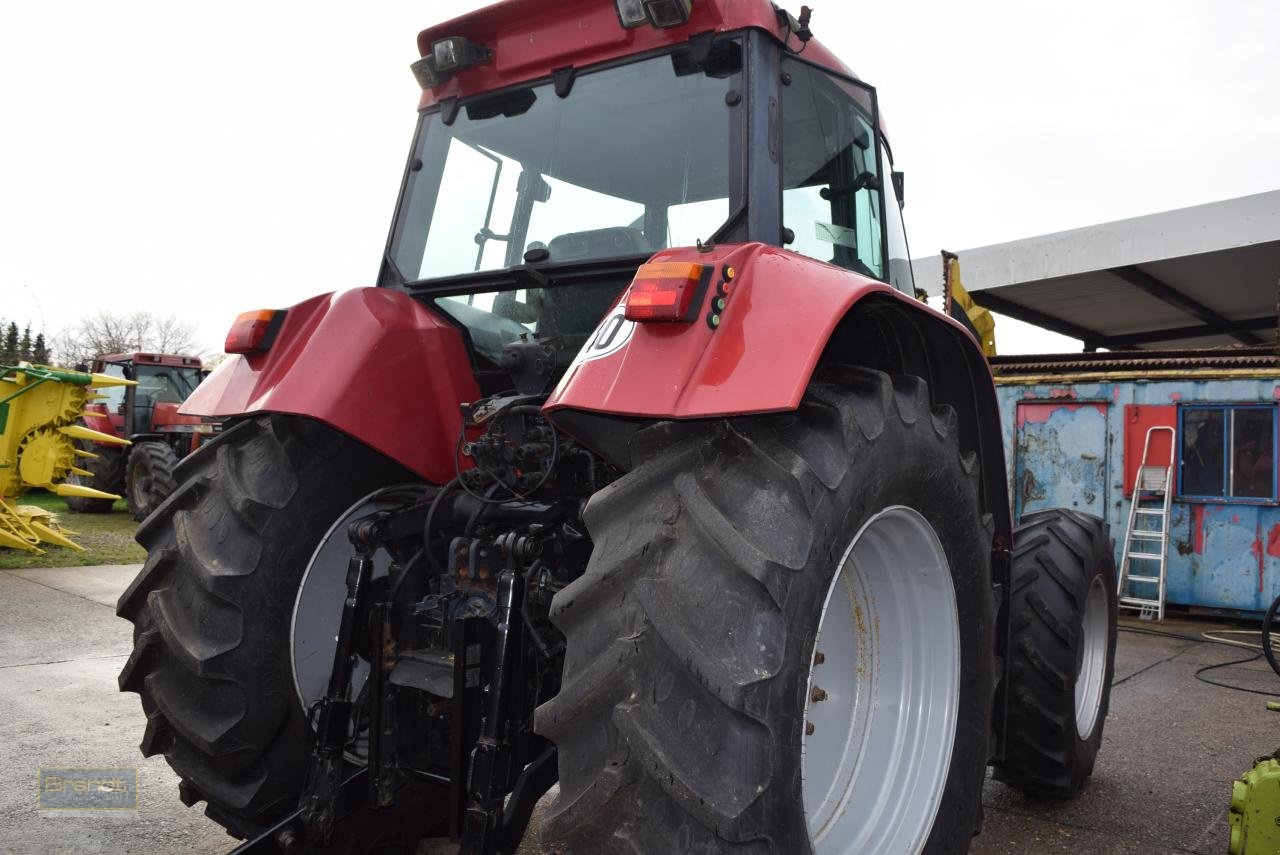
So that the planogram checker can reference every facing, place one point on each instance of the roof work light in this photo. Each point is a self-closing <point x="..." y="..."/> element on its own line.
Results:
<point x="448" y="56"/>
<point x="658" y="13"/>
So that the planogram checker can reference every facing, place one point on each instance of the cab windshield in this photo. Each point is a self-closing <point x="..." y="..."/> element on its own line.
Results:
<point x="632" y="159"/>
<point x="166" y="384"/>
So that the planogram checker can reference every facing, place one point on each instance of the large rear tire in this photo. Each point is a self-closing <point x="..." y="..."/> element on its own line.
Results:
<point x="692" y="674"/>
<point x="213" y="656"/>
<point x="108" y="476"/>
<point x="151" y="477"/>
<point x="1062" y="627"/>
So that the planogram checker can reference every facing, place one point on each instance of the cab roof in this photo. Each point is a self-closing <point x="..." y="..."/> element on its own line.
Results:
<point x="532" y="38"/>
<point x="152" y="358"/>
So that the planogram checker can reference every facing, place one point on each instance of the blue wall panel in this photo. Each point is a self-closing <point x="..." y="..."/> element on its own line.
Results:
<point x="1061" y="458"/>
<point x="1221" y="554"/>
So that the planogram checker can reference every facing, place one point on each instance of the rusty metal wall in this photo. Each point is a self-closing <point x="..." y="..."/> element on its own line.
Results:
<point x="1064" y="443"/>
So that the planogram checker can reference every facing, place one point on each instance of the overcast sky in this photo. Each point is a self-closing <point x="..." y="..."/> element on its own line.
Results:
<point x="205" y="159"/>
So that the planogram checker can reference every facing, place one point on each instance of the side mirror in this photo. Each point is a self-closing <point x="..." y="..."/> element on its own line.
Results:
<point x="899" y="183"/>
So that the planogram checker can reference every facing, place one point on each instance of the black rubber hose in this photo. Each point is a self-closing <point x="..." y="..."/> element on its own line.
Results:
<point x="432" y="561"/>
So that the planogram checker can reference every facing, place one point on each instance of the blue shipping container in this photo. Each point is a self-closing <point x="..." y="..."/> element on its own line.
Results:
<point x="1065" y="443"/>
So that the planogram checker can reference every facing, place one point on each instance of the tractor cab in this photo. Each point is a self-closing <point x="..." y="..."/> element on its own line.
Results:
<point x="164" y="382"/>
<point x="145" y="414"/>
<point x="530" y="200"/>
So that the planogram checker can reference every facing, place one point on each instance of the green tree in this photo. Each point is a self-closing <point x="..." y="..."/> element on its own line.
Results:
<point x="24" y="347"/>
<point x="40" y="351"/>
<point x="10" y="353"/>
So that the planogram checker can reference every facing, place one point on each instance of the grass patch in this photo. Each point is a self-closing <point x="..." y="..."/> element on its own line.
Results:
<point x="107" y="538"/>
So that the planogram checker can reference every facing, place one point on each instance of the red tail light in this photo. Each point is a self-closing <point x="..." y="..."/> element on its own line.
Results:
<point x="254" y="331"/>
<point x="666" y="292"/>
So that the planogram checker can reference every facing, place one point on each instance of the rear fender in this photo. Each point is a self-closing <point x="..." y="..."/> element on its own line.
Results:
<point x="780" y="308"/>
<point x="784" y="315"/>
<point x="371" y="362"/>
<point x="903" y="336"/>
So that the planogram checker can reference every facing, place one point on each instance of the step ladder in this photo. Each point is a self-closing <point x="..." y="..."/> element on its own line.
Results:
<point x="1146" y="538"/>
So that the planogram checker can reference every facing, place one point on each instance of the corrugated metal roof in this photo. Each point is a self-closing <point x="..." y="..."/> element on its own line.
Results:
<point x="1233" y="358"/>
<point x="1203" y="276"/>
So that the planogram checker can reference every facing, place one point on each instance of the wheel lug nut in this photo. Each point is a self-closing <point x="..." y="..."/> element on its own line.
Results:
<point x="817" y="694"/>
<point x="819" y="657"/>
<point x="808" y="728"/>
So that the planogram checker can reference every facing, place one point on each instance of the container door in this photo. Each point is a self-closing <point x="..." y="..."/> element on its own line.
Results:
<point x="1061" y="454"/>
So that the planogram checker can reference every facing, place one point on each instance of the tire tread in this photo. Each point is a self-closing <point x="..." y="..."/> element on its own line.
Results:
<point x="672" y="739"/>
<point x="1056" y="555"/>
<point x="221" y="548"/>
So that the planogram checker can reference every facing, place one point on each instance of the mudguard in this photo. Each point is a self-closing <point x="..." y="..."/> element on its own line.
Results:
<point x="782" y="312"/>
<point x="370" y="362"/>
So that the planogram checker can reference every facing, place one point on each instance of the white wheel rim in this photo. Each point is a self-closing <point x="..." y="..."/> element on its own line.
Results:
<point x="317" y="610"/>
<point x="877" y="748"/>
<point x="1093" y="659"/>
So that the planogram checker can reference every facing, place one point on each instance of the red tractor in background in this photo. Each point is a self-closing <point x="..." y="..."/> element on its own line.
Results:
<point x="147" y="415"/>
<point x="641" y="472"/>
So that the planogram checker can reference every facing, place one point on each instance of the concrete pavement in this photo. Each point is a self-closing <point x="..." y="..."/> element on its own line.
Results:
<point x="1171" y="747"/>
<point x="1172" y="744"/>
<point x="62" y="647"/>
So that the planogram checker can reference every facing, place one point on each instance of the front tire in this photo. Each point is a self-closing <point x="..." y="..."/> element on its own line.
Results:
<point x="682" y="718"/>
<point x="151" y="477"/>
<point x="211" y="610"/>
<point x="1062" y="628"/>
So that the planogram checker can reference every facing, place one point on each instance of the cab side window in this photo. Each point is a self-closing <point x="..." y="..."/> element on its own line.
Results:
<point x="112" y="397"/>
<point x="832" y="193"/>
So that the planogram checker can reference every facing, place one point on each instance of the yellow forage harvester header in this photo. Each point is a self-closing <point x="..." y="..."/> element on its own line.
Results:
<point x="959" y="304"/>
<point x="39" y="411"/>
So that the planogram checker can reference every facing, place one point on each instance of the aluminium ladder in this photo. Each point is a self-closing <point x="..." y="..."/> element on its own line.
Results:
<point x="1145" y="543"/>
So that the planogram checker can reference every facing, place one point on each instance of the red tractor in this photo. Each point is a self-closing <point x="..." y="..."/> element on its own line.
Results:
<point x="146" y="414"/>
<point x="641" y="472"/>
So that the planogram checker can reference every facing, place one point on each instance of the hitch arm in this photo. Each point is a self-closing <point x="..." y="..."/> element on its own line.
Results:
<point x="494" y="755"/>
<point x="323" y="776"/>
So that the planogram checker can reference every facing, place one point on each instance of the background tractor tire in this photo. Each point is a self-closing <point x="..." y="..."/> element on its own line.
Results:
<point x="108" y="476"/>
<point x="1062" y="627"/>
<point x="151" y="477"/>
<point x="691" y="635"/>
<point x="211" y="610"/>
